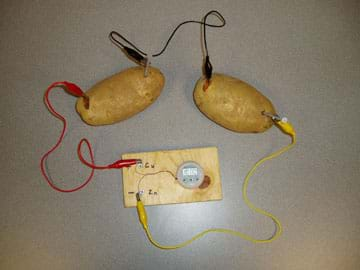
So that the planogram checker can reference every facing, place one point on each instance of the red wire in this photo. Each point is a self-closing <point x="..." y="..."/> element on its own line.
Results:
<point x="77" y="92"/>
<point x="91" y="165"/>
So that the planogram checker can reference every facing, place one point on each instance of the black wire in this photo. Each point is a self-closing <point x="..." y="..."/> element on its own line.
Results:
<point x="212" y="12"/>
<point x="216" y="13"/>
<point x="122" y="46"/>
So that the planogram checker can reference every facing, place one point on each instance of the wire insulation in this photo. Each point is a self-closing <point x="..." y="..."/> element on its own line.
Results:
<point x="115" y="37"/>
<point x="247" y="202"/>
<point x="144" y="175"/>
<point x="76" y="91"/>
<point x="48" y="104"/>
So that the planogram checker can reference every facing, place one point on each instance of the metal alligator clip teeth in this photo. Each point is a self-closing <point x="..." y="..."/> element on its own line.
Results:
<point x="274" y="117"/>
<point x="138" y="161"/>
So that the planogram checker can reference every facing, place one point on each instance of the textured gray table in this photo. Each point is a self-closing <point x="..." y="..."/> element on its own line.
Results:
<point x="303" y="55"/>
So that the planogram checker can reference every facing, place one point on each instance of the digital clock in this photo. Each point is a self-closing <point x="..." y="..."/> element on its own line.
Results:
<point x="190" y="174"/>
<point x="190" y="171"/>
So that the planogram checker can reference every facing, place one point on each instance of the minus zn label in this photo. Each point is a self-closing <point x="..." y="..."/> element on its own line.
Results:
<point x="151" y="192"/>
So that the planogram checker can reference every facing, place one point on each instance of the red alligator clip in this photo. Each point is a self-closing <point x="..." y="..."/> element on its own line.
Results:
<point x="124" y="163"/>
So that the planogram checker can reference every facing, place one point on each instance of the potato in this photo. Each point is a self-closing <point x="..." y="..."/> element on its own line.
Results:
<point x="233" y="104"/>
<point x="120" y="96"/>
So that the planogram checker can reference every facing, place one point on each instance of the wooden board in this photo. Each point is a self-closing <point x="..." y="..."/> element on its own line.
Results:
<point x="162" y="187"/>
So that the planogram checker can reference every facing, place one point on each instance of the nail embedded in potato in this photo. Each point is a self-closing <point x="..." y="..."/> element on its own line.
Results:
<point x="120" y="96"/>
<point x="233" y="104"/>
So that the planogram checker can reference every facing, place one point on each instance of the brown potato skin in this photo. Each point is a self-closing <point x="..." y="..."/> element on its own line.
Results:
<point x="233" y="104"/>
<point x="121" y="96"/>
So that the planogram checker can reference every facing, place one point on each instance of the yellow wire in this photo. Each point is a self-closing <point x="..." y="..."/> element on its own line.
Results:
<point x="247" y="202"/>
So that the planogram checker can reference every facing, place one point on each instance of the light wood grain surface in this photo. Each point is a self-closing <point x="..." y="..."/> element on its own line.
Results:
<point x="160" y="185"/>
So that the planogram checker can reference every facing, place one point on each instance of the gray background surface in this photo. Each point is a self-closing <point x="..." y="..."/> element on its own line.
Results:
<point x="303" y="55"/>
